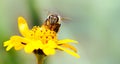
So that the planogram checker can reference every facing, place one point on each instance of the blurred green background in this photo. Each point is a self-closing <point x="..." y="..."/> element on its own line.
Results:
<point x="94" y="23"/>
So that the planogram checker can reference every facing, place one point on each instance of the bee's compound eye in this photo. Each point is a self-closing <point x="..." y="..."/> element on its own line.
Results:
<point x="50" y="16"/>
<point x="53" y="19"/>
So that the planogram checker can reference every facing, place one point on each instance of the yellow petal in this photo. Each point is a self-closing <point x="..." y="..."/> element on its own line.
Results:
<point x="15" y="41"/>
<point x="37" y="44"/>
<point x="18" y="42"/>
<point x="7" y="43"/>
<point x="22" y="25"/>
<point x="9" y="47"/>
<point x="51" y="44"/>
<point x="29" y="48"/>
<point x="66" y="41"/>
<point x="69" y="52"/>
<point x="19" y="46"/>
<point x="49" y="51"/>
<point x="69" y="46"/>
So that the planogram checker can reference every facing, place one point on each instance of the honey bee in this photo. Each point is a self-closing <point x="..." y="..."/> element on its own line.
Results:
<point x="53" y="22"/>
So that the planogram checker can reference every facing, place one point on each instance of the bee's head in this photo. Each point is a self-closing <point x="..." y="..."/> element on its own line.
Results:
<point x="53" y="22"/>
<point x="53" y="19"/>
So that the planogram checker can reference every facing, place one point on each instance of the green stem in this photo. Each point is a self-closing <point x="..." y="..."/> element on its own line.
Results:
<point x="40" y="58"/>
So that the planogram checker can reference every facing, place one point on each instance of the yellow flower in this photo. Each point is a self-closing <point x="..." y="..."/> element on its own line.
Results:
<point x="39" y="38"/>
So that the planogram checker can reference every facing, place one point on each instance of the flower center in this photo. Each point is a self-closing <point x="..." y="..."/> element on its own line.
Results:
<point x="43" y="34"/>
